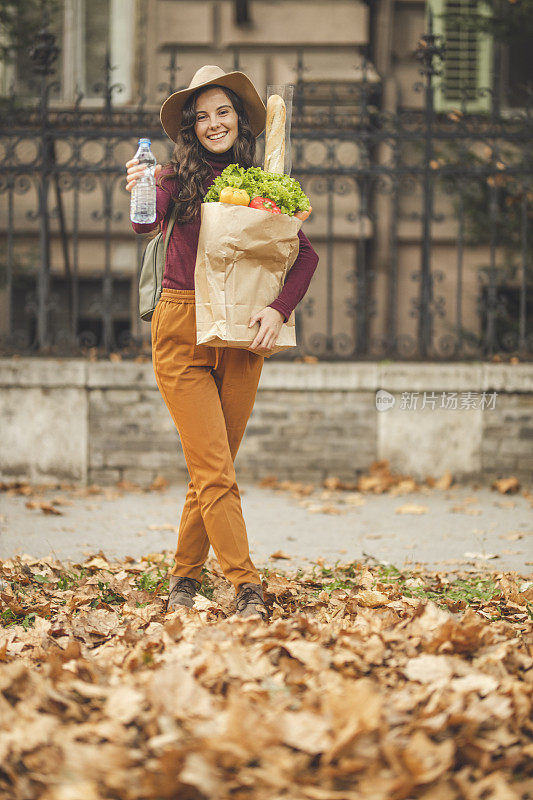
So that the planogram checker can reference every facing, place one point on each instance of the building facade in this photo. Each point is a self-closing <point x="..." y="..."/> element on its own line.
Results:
<point x="398" y="180"/>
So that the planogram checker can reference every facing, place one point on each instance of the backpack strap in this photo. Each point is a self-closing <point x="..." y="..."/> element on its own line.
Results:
<point x="171" y="221"/>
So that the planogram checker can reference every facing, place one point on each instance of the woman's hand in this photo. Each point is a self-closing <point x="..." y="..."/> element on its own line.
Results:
<point x="303" y="214"/>
<point x="134" y="172"/>
<point x="270" y="322"/>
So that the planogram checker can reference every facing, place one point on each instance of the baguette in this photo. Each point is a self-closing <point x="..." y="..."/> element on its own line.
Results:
<point x="275" y="135"/>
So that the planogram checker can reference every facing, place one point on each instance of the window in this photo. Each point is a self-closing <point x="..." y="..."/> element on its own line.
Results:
<point x="18" y="36"/>
<point x="86" y="30"/>
<point x="242" y="12"/>
<point x="467" y="65"/>
<point x="93" y="28"/>
<point x="517" y="70"/>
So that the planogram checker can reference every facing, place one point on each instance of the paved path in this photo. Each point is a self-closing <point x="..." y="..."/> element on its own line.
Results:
<point x="120" y="523"/>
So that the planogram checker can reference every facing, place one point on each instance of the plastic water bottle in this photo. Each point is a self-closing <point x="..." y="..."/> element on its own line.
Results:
<point x="142" y="207"/>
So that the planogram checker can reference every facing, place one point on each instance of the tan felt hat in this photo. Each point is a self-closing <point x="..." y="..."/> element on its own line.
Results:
<point x="172" y="108"/>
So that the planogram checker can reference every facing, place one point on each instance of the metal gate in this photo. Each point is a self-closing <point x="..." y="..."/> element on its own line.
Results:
<point x="422" y="220"/>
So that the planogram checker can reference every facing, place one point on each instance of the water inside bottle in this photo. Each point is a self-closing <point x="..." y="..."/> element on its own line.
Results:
<point x="143" y="195"/>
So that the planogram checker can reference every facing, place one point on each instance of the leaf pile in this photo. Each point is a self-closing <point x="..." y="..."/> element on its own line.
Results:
<point x="358" y="688"/>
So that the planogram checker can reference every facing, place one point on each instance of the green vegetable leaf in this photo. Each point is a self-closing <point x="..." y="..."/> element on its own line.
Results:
<point x="283" y="190"/>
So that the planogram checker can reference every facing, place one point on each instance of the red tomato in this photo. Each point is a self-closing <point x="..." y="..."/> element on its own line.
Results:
<point x="265" y="203"/>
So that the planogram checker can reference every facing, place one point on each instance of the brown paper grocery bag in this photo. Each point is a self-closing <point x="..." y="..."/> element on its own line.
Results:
<point x="243" y="257"/>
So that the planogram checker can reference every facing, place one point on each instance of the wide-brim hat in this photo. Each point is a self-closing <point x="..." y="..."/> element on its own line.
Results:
<point x="172" y="108"/>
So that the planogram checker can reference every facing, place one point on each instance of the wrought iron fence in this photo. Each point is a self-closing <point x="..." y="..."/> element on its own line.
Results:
<point x="422" y="220"/>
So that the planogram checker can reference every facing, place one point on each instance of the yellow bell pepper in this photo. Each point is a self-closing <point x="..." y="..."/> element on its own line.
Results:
<point x="238" y="197"/>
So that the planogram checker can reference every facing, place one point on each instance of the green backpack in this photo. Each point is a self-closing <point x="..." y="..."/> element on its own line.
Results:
<point x="152" y="268"/>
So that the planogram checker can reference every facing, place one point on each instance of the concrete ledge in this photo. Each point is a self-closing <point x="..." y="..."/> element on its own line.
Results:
<point x="43" y="372"/>
<point x="508" y="377"/>
<point x="413" y="377"/>
<point x="328" y="376"/>
<point x="325" y="375"/>
<point x="82" y="421"/>
<point x="120" y="375"/>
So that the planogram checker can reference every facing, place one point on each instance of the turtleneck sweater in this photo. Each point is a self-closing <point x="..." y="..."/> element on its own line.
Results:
<point x="183" y="243"/>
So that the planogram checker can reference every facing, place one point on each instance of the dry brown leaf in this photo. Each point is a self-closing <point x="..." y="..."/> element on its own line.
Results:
<point x="507" y="485"/>
<point x="325" y="508"/>
<point x="427" y="760"/>
<point x="445" y="481"/>
<point x="46" y="508"/>
<point x="371" y="598"/>
<point x="427" y="668"/>
<point x="159" y="484"/>
<point x="411" y="508"/>
<point x="97" y="563"/>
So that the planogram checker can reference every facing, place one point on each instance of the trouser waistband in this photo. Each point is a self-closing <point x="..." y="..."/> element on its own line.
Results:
<point x="178" y="295"/>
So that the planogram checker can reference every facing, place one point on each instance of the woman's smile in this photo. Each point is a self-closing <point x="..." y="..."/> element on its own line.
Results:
<point x="217" y="136"/>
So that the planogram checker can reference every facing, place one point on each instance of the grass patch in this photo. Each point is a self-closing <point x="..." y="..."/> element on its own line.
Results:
<point x="9" y="617"/>
<point x="470" y="590"/>
<point x="71" y="579"/>
<point x="107" y="596"/>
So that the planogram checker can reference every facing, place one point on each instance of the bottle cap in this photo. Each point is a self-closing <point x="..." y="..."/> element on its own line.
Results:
<point x="145" y="141"/>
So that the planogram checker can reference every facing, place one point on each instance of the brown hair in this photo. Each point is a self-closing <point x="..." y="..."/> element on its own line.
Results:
<point x="189" y="167"/>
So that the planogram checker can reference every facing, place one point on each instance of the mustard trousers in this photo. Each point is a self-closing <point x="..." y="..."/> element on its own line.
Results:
<point x="210" y="393"/>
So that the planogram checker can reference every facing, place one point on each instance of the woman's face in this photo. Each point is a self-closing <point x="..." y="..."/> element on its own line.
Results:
<point x="217" y="123"/>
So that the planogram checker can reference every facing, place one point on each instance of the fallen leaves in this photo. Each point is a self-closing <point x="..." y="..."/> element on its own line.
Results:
<point x="47" y="508"/>
<point x="507" y="485"/>
<point x="379" y="480"/>
<point x="481" y="556"/>
<point x="411" y="508"/>
<point x="361" y="687"/>
<point x="159" y="484"/>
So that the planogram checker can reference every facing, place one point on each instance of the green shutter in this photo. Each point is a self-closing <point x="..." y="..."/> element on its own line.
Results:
<point x="467" y="63"/>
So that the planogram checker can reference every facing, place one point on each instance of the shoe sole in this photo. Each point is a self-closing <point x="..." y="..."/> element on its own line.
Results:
<point x="252" y="614"/>
<point x="174" y="606"/>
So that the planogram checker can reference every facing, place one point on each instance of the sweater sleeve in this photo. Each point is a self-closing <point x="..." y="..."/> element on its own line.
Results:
<point x="163" y="196"/>
<point x="298" y="278"/>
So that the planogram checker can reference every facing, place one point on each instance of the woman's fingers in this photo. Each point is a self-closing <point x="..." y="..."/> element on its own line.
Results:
<point x="131" y="181"/>
<point x="266" y="342"/>
<point x="303" y="215"/>
<point x="134" y="172"/>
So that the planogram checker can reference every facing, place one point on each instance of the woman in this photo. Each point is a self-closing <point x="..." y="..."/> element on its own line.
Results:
<point x="210" y="391"/>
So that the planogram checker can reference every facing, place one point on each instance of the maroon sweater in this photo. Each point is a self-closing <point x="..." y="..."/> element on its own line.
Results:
<point x="181" y="253"/>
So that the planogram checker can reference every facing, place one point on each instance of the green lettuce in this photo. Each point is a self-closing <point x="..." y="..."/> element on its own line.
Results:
<point x="283" y="190"/>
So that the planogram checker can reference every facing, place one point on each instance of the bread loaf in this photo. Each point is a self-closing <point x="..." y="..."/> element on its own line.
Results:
<point x="275" y="135"/>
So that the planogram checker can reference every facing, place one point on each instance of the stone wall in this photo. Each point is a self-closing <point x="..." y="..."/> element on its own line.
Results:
<point x="100" y="422"/>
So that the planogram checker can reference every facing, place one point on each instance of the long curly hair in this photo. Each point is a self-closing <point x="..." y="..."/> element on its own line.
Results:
<point x="189" y="167"/>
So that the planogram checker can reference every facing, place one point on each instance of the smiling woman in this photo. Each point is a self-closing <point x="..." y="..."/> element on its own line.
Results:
<point x="210" y="391"/>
